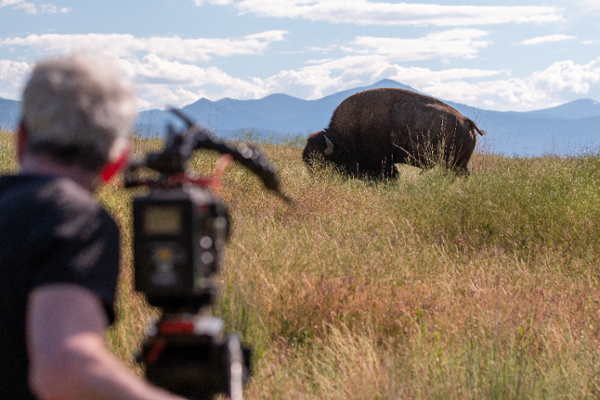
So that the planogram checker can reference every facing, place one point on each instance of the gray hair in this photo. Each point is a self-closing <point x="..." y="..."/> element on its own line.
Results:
<point x="79" y="110"/>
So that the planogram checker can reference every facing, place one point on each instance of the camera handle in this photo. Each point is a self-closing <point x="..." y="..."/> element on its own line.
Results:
<point x="179" y="147"/>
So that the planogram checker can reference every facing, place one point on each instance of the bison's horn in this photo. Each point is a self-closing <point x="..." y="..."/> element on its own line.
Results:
<point x="329" y="150"/>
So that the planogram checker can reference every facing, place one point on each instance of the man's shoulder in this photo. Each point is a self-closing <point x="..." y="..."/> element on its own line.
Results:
<point x="43" y="188"/>
<point x="56" y="198"/>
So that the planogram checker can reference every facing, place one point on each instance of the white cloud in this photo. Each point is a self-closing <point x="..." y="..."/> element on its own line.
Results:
<point x="546" y="39"/>
<point x="169" y="70"/>
<point x="13" y="70"/>
<point x="366" y="12"/>
<point x="540" y="90"/>
<point x="157" y="64"/>
<point x="457" y="43"/>
<point x="52" y="9"/>
<point x="31" y="8"/>
<point x="163" y="83"/>
<point x="590" y="6"/>
<point x="124" y="45"/>
<point x="152" y="70"/>
<point x="324" y="77"/>
<point x="214" y="2"/>
<point x="12" y="77"/>
<point x="567" y="76"/>
<point x="468" y="86"/>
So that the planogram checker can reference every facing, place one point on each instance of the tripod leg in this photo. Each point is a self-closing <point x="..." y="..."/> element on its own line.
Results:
<point x="236" y="367"/>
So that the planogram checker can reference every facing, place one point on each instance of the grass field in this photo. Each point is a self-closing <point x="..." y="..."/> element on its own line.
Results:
<point x="427" y="287"/>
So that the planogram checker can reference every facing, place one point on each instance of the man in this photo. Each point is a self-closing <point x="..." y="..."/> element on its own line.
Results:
<point x="59" y="250"/>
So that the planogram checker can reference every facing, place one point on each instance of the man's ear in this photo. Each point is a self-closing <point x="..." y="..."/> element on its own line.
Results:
<point x="112" y="168"/>
<point x="21" y="140"/>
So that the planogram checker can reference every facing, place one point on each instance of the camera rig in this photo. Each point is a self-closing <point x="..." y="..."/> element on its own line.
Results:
<point x="180" y="231"/>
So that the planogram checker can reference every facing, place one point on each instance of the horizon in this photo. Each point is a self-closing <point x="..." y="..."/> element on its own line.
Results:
<point x="513" y="55"/>
<point x="350" y="89"/>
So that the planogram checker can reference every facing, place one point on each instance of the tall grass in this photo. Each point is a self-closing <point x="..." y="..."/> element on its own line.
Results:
<point x="429" y="286"/>
<point x="424" y="287"/>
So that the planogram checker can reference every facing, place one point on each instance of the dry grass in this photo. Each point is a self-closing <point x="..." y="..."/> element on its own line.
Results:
<point x="424" y="287"/>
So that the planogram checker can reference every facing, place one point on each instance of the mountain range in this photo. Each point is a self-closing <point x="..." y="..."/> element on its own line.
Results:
<point x="10" y="111"/>
<point x="570" y="129"/>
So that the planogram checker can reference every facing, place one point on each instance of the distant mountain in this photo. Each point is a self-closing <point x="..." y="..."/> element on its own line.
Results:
<point x="274" y="115"/>
<point x="582" y="108"/>
<point x="572" y="128"/>
<point x="10" y="113"/>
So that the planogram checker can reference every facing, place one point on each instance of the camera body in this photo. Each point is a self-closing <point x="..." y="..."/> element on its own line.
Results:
<point x="179" y="239"/>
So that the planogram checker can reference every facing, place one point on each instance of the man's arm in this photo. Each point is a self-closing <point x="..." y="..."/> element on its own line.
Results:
<point x="68" y="356"/>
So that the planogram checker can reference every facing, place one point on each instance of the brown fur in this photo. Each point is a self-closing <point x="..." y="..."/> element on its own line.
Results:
<point x="374" y="129"/>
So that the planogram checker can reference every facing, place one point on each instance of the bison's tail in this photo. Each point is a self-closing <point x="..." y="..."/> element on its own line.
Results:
<point x="474" y="126"/>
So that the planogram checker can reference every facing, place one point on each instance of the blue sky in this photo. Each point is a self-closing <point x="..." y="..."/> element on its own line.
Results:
<point x="500" y="55"/>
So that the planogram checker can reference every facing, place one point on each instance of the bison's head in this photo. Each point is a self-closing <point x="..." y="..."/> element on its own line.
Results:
<point x="322" y="147"/>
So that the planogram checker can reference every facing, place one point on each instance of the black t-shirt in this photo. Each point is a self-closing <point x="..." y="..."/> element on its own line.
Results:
<point x="51" y="231"/>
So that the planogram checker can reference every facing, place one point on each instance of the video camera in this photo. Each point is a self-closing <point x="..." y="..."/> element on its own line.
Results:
<point x="180" y="231"/>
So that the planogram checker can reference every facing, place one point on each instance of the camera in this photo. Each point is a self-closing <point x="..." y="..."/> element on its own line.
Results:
<point x="180" y="231"/>
<point x="180" y="235"/>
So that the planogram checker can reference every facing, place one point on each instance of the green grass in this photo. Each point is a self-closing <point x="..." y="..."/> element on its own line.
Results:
<point x="425" y="287"/>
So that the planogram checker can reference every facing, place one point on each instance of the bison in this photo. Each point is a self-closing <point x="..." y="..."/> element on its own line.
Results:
<point x="372" y="130"/>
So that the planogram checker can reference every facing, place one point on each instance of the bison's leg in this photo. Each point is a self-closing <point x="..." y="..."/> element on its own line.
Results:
<point x="388" y="168"/>
<point x="461" y="171"/>
<point x="463" y="159"/>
